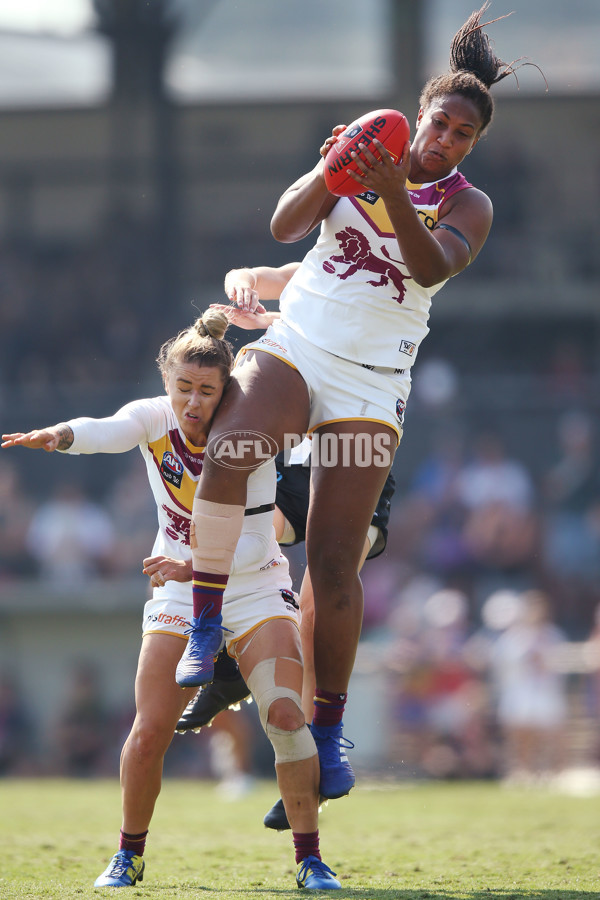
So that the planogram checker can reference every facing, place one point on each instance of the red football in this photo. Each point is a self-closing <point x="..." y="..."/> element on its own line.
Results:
<point x="387" y="125"/>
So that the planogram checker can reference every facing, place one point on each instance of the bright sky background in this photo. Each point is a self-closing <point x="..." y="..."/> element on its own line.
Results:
<point x="58" y="16"/>
<point x="51" y="54"/>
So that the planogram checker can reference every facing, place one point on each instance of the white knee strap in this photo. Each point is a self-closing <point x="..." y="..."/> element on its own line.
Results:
<point x="289" y="746"/>
<point x="214" y="533"/>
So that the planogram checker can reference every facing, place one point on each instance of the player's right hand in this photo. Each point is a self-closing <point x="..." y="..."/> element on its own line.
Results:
<point x="160" y="569"/>
<point x="41" y="439"/>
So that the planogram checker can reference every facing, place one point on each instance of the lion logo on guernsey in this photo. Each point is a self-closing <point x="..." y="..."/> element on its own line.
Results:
<point x="357" y="254"/>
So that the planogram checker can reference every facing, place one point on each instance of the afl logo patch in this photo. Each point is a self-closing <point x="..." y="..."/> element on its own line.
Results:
<point x="289" y="598"/>
<point x="369" y="197"/>
<point x="171" y="469"/>
<point x="353" y="130"/>
<point x="400" y="408"/>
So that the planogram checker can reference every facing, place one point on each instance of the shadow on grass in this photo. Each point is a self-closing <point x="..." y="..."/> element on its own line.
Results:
<point x="403" y="894"/>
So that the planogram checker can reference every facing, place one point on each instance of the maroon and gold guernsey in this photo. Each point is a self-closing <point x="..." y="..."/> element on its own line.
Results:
<point x="174" y="466"/>
<point x="354" y="277"/>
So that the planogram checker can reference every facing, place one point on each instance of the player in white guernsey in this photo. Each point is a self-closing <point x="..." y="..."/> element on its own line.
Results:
<point x="337" y="363"/>
<point x="260" y="609"/>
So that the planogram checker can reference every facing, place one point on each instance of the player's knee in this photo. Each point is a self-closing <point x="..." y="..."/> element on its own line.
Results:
<point x="334" y="569"/>
<point x="291" y="746"/>
<point x="281" y="716"/>
<point x="337" y="588"/>
<point x="268" y="696"/>
<point x="149" y="739"/>
<point x="285" y="715"/>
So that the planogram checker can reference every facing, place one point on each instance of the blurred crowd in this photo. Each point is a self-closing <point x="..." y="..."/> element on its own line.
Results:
<point x="484" y="609"/>
<point x="77" y="317"/>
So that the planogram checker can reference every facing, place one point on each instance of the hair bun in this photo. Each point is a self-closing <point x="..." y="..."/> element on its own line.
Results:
<point x="213" y="323"/>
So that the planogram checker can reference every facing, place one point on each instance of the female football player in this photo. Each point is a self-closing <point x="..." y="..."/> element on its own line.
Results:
<point x="260" y="612"/>
<point x="337" y="363"/>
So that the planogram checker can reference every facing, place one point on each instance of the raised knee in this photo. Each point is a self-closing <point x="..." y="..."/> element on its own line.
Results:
<point x="285" y="715"/>
<point x="280" y="710"/>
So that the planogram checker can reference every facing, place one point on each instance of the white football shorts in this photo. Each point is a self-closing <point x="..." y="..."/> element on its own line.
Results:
<point x="243" y="610"/>
<point x="339" y="390"/>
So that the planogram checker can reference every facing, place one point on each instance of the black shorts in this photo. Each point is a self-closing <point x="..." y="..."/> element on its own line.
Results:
<point x="381" y="517"/>
<point x="293" y="488"/>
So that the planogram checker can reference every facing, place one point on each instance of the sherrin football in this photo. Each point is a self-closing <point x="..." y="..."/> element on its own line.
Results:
<point x="387" y="125"/>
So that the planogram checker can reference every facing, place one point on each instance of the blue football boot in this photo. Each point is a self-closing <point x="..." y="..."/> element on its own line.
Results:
<point x="316" y="876"/>
<point x="124" y="869"/>
<point x="197" y="665"/>
<point x="337" y="777"/>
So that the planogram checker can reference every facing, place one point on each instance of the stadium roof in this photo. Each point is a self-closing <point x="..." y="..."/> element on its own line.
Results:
<point x="51" y="54"/>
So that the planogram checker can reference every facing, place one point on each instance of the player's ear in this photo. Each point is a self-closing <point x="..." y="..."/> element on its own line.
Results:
<point x="473" y="144"/>
<point x="420" y="115"/>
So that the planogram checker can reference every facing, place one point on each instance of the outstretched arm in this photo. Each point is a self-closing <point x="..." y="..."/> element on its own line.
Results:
<point x="123" y="431"/>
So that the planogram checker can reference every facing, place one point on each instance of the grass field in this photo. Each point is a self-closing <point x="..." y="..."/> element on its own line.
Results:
<point x="435" y="841"/>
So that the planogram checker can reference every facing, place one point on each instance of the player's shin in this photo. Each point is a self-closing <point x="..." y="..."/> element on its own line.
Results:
<point x="214" y="533"/>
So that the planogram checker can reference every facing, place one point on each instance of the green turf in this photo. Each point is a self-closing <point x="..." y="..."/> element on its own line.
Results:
<point x="435" y="841"/>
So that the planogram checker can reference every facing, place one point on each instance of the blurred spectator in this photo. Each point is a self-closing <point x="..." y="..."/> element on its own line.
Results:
<point x="83" y="735"/>
<point x="530" y="691"/>
<point x="436" y="384"/>
<point x="16" y="746"/>
<point x="435" y="504"/>
<point x="491" y="477"/>
<point x="231" y="742"/>
<point x="499" y="611"/>
<point x="501" y="529"/>
<point x="16" y="510"/>
<point x="133" y="513"/>
<point x="440" y="704"/>
<point x="592" y="698"/>
<point x="567" y="376"/>
<point x="571" y="489"/>
<point x="71" y="537"/>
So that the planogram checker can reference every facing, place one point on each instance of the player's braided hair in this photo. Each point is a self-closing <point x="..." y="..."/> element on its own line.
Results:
<point x="474" y="68"/>
<point x="201" y="343"/>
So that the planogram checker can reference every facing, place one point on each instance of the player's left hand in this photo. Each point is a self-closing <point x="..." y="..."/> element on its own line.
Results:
<point x="258" y="318"/>
<point x="331" y="140"/>
<point x="161" y="569"/>
<point x="383" y="176"/>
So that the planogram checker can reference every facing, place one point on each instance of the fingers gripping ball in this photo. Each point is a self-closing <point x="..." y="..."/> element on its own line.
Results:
<point x="387" y="125"/>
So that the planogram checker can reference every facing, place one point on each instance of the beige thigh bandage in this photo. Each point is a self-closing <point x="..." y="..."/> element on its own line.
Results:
<point x="214" y="532"/>
<point x="289" y="746"/>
